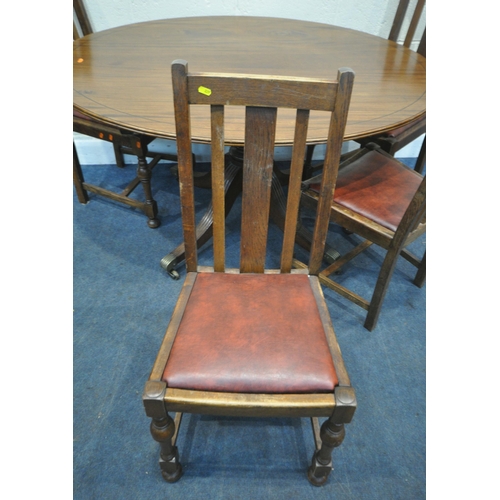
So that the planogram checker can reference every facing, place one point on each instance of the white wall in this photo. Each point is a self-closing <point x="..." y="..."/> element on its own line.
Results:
<point x="371" y="16"/>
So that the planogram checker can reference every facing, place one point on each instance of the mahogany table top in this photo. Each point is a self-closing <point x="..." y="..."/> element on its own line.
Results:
<point x="122" y="75"/>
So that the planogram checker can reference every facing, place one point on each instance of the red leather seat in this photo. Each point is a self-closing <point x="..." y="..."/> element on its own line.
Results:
<point x="260" y="334"/>
<point x="377" y="187"/>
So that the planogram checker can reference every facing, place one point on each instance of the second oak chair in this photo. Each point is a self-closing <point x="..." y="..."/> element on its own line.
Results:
<point x="382" y="200"/>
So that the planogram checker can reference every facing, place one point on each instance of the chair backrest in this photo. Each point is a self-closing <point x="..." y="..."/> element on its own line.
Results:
<point x="399" y="21"/>
<point x="414" y="215"/>
<point x="261" y="96"/>
<point x="82" y="24"/>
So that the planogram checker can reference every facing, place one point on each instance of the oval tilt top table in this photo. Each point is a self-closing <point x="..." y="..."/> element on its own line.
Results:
<point x="121" y="76"/>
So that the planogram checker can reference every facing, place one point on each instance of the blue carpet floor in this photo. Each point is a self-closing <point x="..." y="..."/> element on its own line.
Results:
<point x="122" y="303"/>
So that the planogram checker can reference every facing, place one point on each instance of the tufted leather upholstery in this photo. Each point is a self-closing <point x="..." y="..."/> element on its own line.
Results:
<point x="251" y="333"/>
<point x="376" y="187"/>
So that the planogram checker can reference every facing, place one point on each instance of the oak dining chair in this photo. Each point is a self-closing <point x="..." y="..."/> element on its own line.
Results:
<point x="252" y="341"/>
<point x="383" y="201"/>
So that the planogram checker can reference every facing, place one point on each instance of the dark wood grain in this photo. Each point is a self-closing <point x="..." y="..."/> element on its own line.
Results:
<point x="183" y="131"/>
<point x="218" y="186"/>
<point x="330" y="169"/>
<point x="257" y="178"/>
<point x="293" y="202"/>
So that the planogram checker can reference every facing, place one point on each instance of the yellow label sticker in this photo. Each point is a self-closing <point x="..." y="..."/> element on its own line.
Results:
<point x="204" y="90"/>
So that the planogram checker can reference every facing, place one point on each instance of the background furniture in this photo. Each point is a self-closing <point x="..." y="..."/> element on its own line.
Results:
<point x="123" y="143"/>
<point x="394" y="140"/>
<point x="390" y="79"/>
<point x="253" y="341"/>
<point x="390" y="89"/>
<point x="82" y="27"/>
<point x="383" y="201"/>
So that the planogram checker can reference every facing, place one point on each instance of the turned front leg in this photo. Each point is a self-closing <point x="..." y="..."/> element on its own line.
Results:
<point x="332" y="436"/>
<point x="163" y="430"/>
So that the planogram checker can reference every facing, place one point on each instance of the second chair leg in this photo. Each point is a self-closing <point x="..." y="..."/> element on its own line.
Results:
<point x="420" y="276"/>
<point x="381" y="286"/>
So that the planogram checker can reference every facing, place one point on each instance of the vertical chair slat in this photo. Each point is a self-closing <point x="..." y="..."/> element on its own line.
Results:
<point x="345" y="78"/>
<point x="295" y="179"/>
<point x="260" y="129"/>
<point x="82" y="17"/>
<point x="414" y="22"/>
<point x="398" y="20"/>
<point x="217" y="170"/>
<point x="185" y="161"/>
<point x="422" y="45"/>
